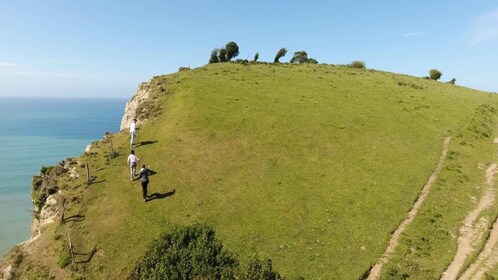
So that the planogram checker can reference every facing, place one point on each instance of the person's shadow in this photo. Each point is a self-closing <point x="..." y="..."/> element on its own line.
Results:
<point x="148" y="142"/>
<point x="160" y="195"/>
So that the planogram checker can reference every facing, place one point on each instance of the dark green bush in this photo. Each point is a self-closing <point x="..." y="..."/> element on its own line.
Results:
<point x="45" y="170"/>
<point x="193" y="252"/>
<point x="256" y="57"/>
<point x="435" y="74"/>
<point x="357" y="64"/>
<point x="258" y="270"/>
<point x="187" y="253"/>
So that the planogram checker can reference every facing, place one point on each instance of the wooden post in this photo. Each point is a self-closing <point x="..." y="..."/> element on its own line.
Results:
<point x="112" y="150"/>
<point x="64" y="203"/>
<point x="71" y="248"/>
<point x="87" y="174"/>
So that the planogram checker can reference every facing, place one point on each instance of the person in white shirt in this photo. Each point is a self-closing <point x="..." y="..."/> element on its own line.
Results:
<point x="133" y="132"/>
<point x="132" y="162"/>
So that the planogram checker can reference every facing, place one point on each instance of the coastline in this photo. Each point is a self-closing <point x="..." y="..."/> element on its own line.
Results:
<point x="47" y="150"/>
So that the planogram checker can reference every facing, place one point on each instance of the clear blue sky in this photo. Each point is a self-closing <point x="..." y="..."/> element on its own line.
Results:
<point x="106" y="48"/>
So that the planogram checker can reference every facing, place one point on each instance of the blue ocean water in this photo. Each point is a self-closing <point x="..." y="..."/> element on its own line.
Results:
<point x="36" y="132"/>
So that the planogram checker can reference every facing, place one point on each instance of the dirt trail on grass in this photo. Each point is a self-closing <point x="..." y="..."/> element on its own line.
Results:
<point x="375" y="271"/>
<point x="470" y="231"/>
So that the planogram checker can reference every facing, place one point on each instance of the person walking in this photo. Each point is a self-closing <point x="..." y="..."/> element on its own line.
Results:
<point x="132" y="162"/>
<point x="133" y="132"/>
<point x="143" y="177"/>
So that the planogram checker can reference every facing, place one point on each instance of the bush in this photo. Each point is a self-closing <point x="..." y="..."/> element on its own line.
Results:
<point x="256" y="57"/>
<point x="193" y="252"/>
<point x="45" y="170"/>
<point x="435" y="74"/>
<point x="452" y="81"/>
<point x="281" y="53"/>
<point x="357" y="64"/>
<point x="257" y="270"/>
<point x="187" y="253"/>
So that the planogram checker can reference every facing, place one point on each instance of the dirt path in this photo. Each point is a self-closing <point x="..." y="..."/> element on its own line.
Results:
<point x="375" y="271"/>
<point x="470" y="231"/>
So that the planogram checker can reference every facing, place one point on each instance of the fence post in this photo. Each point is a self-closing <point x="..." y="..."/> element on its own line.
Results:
<point x="71" y="248"/>
<point x="64" y="203"/>
<point x="87" y="174"/>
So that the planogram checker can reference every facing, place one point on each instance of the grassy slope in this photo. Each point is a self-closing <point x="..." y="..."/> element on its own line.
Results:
<point x="311" y="165"/>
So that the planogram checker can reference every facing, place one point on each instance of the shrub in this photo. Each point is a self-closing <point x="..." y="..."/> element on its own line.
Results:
<point x="357" y="64"/>
<point x="281" y="53"/>
<point x="45" y="170"/>
<point x="193" y="252"/>
<point x="257" y="270"/>
<point x="312" y="60"/>
<point x="256" y="57"/>
<point x="242" y="61"/>
<point x="452" y="81"/>
<point x="187" y="253"/>
<point x="435" y="74"/>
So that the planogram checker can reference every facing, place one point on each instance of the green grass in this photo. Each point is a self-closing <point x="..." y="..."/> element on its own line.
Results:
<point x="313" y="166"/>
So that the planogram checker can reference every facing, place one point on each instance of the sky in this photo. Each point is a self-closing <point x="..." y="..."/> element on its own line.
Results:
<point x="90" y="48"/>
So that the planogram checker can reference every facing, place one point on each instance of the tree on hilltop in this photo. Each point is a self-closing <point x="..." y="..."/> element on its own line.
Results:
<point x="256" y="57"/>
<point x="214" y="56"/>
<point x="232" y="50"/>
<point x="299" y="57"/>
<point x="222" y="55"/>
<point x="281" y="53"/>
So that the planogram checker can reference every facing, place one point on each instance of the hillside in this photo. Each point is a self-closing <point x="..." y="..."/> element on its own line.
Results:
<point x="314" y="166"/>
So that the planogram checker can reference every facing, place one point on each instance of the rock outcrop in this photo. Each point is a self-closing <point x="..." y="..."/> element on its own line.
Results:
<point x="133" y="106"/>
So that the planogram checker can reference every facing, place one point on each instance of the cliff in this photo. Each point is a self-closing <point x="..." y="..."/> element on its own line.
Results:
<point x="50" y="188"/>
<point x="135" y="106"/>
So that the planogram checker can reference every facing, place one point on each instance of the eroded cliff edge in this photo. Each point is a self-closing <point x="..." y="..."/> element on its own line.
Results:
<point x="48" y="188"/>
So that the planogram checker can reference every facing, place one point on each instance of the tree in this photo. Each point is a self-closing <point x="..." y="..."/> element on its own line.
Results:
<point x="299" y="57"/>
<point x="232" y="50"/>
<point x="281" y="53"/>
<point x="452" y="81"/>
<point x="214" y="56"/>
<point x="222" y="55"/>
<point x="256" y="57"/>
<point x="435" y="74"/>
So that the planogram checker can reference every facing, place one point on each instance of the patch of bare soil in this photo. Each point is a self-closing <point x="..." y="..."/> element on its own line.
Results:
<point x="471" y="232"/>
<point x="375" y="271"/>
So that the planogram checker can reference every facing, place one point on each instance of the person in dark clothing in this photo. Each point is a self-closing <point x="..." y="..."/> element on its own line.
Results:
<point x="143" y="177"/>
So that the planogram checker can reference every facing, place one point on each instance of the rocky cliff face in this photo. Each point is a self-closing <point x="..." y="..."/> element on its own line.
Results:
<point x="134" y="106"/>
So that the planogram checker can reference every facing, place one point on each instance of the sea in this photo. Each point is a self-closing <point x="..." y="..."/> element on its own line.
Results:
<point x="36" y="132"/>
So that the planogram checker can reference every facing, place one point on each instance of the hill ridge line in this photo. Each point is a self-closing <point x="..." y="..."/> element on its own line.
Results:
<point x="374" y="272"/>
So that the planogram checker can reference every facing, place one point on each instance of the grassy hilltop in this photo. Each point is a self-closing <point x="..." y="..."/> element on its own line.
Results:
<point x="313" y="166"/>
